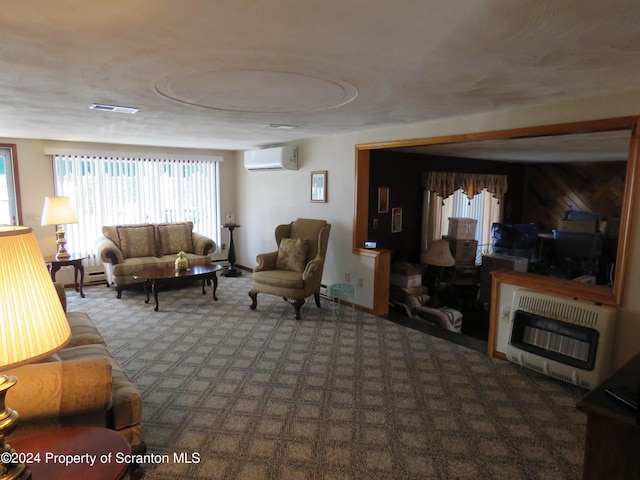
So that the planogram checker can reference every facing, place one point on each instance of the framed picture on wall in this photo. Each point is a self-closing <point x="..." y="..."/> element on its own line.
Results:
<point x="396" y="220"/>
<point x="383" y="199"/>
<point x="319" y="186"/>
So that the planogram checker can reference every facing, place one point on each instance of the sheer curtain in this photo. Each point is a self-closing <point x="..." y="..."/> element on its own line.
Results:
<point x="464" y="195"/>
<point x="484" y="208"/>
<point x="124" y="190"/>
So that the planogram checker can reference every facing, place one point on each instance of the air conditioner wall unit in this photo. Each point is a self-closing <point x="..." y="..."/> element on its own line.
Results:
<point x="277" y="158"/>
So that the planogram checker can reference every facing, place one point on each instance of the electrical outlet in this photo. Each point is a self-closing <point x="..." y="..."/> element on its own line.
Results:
<point x="224" y="246"/>
<point x="360" y="281"/>
<point x="347" y="277"/>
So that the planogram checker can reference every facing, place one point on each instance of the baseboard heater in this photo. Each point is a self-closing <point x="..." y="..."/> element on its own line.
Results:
<point x="564" y="338"/>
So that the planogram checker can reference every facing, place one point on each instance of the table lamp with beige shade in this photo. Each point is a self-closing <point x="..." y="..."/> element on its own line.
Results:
<point x="438" y="256"/>
<point x="59" y="211"/>
<point x="33" y="325"/>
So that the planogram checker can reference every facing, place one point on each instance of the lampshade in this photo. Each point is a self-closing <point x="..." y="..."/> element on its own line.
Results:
<point x="32" y="322"/>
<point x="439" y="254"/>
<point x="58" y="211"/>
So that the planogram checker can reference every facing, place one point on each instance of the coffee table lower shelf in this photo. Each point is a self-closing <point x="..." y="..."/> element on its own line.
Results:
<point x="156" y="277"/>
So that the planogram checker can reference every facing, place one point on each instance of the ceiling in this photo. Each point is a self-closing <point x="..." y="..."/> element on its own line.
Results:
<point x="229" y="74"/>
<point x="568" y="148"/>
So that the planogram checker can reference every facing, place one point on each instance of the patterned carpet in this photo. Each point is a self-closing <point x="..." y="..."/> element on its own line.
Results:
<point x="258" y="395"/>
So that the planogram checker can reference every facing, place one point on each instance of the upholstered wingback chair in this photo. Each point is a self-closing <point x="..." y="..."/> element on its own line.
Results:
<point x="294" y="271"/>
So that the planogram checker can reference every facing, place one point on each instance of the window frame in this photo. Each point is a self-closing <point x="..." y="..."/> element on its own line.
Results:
<point x="15" y="181"/>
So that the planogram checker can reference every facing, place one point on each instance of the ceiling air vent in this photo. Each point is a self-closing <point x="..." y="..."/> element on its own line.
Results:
<point x="113" y="108"/>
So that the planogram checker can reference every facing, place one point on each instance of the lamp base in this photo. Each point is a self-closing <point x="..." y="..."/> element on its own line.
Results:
<point x="61" y="241"/>
<point x="63" y="255"/>
<point x="9" y="470"/>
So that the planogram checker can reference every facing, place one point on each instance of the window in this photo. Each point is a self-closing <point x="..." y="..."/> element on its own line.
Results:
<point x="124" y="190"/>
<point x="9" y="200"/>
<point x="483" y="207"/>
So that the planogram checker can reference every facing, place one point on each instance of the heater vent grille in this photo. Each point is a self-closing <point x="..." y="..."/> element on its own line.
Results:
<point x="560" y="309"/>
<point x="561" y="337"/>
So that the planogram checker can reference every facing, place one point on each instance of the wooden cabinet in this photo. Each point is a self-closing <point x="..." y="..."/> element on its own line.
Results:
<point x="612" y="447"/>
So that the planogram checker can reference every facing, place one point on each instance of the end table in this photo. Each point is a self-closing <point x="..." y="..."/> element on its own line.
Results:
<point x="74" y="261"/>
<point x="106" y="447"/>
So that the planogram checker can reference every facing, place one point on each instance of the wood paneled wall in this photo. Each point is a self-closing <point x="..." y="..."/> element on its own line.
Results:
<point x="552" y="189"/>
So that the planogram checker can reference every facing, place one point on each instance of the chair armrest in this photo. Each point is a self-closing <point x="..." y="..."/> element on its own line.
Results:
<point x="202" y="245"/>
<point x="108" y="251"/>
<point x="266" y="261"/>
<point x="62" y="294"/>
<point x="314" y="266"/>
<point x="57" y="388"/>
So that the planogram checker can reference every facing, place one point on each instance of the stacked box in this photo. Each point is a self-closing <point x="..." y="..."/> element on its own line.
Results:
<point x="577" y="226"/>
<point x="406" y="281"/>
<point x="406" y="275"/>
<point x="462" y="228"/>
<point x="463" y="251"/>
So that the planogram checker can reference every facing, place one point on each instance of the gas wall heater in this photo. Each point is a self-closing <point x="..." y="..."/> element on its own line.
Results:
<point x="564" y="338"/>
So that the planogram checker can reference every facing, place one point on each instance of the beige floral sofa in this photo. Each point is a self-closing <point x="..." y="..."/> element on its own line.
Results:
<point x="128" y="249"/>
<point x="80" y="385"/>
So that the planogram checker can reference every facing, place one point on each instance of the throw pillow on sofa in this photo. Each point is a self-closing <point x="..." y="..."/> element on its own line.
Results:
<point x="175" y="237"/>
<point x="137" y="241"/>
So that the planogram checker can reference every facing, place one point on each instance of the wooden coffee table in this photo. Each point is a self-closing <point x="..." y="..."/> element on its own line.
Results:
<point x="75" y="452"/>
<point x="155" y="277"/>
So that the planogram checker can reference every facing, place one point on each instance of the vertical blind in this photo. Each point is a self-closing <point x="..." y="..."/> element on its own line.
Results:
<point x="125" y="190"/>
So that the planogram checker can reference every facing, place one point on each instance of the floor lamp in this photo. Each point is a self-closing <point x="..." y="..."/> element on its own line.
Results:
<point x="33" y="324"/>
<point x="59" y="211"/>
<point x="439" y="255"/>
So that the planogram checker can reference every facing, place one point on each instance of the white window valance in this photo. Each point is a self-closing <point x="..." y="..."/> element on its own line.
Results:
<point x="445" y="183"/>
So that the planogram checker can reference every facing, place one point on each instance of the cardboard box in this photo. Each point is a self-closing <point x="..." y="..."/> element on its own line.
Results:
<point x="406" y="281"/>
<point x="493" y="262"/>
<point x="577" y="226"/>
<point x="463" y="251"/>
<point x="462" y="228"/>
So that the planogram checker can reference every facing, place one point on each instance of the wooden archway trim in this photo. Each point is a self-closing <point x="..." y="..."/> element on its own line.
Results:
<point x="362" y="164"/>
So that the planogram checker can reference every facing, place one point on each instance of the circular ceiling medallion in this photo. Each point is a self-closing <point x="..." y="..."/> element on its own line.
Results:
<point x="256" y="91"/>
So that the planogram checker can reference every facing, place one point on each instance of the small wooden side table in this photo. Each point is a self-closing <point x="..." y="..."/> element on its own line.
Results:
<point x="75" y="261"/>
<point x="56" y="449"/>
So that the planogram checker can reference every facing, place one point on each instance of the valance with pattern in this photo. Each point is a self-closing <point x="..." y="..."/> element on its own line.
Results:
<point x="446" y="183"/>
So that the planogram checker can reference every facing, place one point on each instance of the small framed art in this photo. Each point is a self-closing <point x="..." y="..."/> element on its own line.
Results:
<point x="383" y="199"/>
<point x="319" y="186"/>
<point x="396" y="220"/>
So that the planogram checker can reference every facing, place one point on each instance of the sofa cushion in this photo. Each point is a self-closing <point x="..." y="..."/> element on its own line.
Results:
<point x="175" y="237"/>
<point x="279" y="278"/>
<point x="127" y="403"/>
<point x="292" y="254"/>
<point x="137" y="241"/>
<point x="83" y="331"/>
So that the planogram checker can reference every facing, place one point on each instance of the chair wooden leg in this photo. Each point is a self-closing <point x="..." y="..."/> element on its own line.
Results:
<point x="254" y="299"/>
<point x="297" y="305"/>
<point x="317" y="297"/>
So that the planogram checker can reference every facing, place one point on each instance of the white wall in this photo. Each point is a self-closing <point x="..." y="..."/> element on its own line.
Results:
<point x="266" y="199"/>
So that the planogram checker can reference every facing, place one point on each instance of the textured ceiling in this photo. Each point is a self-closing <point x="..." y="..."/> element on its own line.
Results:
<point x="215" y="74"/>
